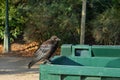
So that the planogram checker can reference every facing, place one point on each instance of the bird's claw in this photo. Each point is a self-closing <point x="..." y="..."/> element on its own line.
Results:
<point x="47" y="62"/>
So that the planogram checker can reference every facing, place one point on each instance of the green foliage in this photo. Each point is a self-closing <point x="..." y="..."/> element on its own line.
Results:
<point x="54" y="17"/>
<point x="42" y="18"/>
<point x="62" y="18"/>
<point x="107" y="27"/>
<point x="16" y="21"/>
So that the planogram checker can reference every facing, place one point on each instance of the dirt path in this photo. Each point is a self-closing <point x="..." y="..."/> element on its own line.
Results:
<point x="15" y="68"/>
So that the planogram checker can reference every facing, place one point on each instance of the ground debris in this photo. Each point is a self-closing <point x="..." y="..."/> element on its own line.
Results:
<point x="25" y="50"/>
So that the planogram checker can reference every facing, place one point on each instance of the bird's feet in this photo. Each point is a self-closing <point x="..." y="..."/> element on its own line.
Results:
<point x="47" y="62"/>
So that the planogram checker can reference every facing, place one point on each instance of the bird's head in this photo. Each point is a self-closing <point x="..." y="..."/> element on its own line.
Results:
<point x="55" y="38"/>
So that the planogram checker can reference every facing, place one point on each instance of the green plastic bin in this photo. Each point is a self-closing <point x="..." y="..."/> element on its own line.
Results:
<point x="81" y="68"/>
<point x="83" y="62"/>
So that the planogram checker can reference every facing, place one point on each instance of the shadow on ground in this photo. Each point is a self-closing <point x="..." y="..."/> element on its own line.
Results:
<point x="16" y="65"/>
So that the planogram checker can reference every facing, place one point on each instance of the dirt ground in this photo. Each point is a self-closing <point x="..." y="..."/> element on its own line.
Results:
<point x="13" y="65"/>
<point x="15" y="68"/>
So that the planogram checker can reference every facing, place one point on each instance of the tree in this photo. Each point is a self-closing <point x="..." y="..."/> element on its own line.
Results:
<point x="82" y="37"/>
<point x="54" y="17"/>
<point x="16" y="22"/>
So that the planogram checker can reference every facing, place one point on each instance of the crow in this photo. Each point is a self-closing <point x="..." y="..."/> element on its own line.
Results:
<point x="45" y="51"/>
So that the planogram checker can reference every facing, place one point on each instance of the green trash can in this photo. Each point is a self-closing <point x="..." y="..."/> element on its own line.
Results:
<point x="83" y="62"/>
<point x="81" y="68"/>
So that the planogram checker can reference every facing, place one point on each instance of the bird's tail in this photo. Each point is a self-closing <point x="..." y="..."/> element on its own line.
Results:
<point x="35" y="60"/>
<point x="31" y="64"/>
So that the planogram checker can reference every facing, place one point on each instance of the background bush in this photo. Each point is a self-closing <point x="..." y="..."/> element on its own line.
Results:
<point x="38" y="20"/>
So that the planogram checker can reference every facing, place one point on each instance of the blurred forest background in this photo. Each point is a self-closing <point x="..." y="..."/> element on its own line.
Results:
<point x="34" y="21"/>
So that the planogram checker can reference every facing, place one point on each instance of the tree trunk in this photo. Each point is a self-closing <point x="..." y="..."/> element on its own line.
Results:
<point x="82" y="36"/>
<point x="6" y="33"/>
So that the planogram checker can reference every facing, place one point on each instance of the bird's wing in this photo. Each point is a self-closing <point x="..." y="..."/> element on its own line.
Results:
<point x="43" y="51"/>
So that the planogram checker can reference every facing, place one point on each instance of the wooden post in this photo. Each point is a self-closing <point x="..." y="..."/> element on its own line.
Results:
<point x="82" y="36"/>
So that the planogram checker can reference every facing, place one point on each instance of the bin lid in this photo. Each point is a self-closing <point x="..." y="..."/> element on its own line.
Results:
<point x="105" y="51"/>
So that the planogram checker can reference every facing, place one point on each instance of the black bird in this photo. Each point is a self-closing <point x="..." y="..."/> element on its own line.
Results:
<point x="45" y="51"/>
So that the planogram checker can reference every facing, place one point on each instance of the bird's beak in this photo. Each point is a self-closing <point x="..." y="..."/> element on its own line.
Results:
<point x="58" y="39"/>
